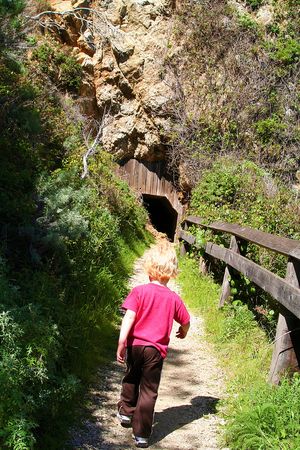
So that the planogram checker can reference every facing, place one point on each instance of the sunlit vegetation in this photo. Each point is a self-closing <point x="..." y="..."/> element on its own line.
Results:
<point x="257" y="415"/>
<point x="67" y="246"/>
<point x="237" y="85"/>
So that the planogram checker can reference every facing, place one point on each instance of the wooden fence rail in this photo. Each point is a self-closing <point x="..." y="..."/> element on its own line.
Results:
<point x="286" y="353"/>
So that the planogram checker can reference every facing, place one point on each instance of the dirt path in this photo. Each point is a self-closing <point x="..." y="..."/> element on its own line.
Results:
<point x="185" y="416"/>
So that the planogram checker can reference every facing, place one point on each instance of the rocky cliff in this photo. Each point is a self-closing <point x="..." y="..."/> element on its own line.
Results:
<point x="121" y="46"/>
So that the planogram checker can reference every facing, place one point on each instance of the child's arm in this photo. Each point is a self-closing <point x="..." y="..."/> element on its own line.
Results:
<point x="127" y="322"/>
<point x="182" y="331"/>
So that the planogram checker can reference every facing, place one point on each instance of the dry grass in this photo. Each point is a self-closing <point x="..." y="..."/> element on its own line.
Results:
<point x="227" y="82"/>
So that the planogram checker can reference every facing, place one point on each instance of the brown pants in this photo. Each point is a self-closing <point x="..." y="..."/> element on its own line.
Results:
<point x="140" y="386"/>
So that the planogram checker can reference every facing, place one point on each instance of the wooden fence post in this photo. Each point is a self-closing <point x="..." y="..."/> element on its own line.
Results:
<point x="286" y="353"/>
<point x="183" y="245"/>
<point x="226" y="291"/>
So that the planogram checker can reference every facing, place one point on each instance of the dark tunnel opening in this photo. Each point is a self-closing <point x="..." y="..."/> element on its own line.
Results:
<point x="162" y="215"/>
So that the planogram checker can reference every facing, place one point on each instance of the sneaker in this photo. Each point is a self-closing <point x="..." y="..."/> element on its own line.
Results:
<point x="141" y="442"/>
<point x="125" y="421"/>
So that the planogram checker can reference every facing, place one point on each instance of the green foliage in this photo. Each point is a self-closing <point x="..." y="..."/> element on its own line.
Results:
<point x="30" y="347"/>
<point x="60" y="67"/>
<point x="257" y="415"/>
<point x="218" y="189"/>
<point x="74" y="263"/>
<point x="244" y="193"/>
<point x="11" y="6"/>
<point x="241" y="62"/>
<point x="70" y="72"/>
<point x="10" y="23"/>
<point x="286" y="50"/>
<point x="266" y="417"/>
<point x="254" y="4"/>
<point x="67" y="247"/>
<point x="239" y="321"/>
<point x="247" y="22"/>
<point x="20" y="435"/>
<point x="269" y="129"/>
<point x="241" y="192"/>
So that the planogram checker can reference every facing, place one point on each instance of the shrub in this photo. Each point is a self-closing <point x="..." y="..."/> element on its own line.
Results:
<point x="286" y="51"/>
<point x="67" y="247"/>
<point x="245" y="194"/>
<point x="266" y="417"/>
<point x="30" y="347"/>
<point x="239" y="321"/>
<point x="254" y="4"/>
<point x="218" y="189"/>
<point x="70" y="72"/>
<point x="60" y="67"/>
<point x="56" y="321"/>
<point x="11" y="6"/>
<point x="240" y="61"/>
<point x="247" y="22"/>
<point x="270" y="129"/>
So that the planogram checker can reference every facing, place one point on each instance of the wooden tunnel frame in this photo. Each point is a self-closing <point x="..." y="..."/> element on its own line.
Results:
<point x="147" y="179"/>
<point x="286" y="353"/>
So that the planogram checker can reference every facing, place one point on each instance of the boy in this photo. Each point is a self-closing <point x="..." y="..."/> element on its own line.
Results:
<point x="145" y="333"/>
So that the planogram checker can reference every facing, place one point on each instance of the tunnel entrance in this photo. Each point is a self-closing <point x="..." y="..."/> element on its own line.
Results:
<point x="162" y="215"/>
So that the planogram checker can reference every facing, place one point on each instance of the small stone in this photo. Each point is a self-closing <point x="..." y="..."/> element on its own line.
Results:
<point x="265" y="15"/>
<point x="86" y="45"/>
<point x="132" y="68"/>
<point x="122" y="50"/>
<point x="241" y="9"/>
<point x="143" y="2"/>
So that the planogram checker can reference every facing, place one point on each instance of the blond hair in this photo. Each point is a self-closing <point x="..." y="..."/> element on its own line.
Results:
<point x="161" y="261"/>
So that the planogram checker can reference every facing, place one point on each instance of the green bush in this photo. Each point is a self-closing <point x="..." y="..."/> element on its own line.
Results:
<point x="286" y="51"/>
<point x="242" y="193"/>
<point x="70" y="72"/>
<point x="67" y="247"/>
<point x="270" y="129"/>
<point x="256" y="415"/>
<point x="254" y="4"/>
<point x="247" y="22"/>
<point x="30" y="348"/>
<point x="266" y="417"/>
<point x="60" y="67"/>
<point x="58" y="313"/>
<point x="239" y="320"/>
<point x="11" y="6"/>
<point x="217" y="189"/>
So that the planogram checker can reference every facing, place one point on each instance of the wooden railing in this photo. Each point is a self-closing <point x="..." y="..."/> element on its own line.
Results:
<point x="286" y="353"/>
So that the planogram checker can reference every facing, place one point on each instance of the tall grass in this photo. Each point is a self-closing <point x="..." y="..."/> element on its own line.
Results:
<point x="257" y="415"/>
<point x="266" y="417"/>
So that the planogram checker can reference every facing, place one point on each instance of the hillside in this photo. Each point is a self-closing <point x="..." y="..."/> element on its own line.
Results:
<point x="208" y="91"/>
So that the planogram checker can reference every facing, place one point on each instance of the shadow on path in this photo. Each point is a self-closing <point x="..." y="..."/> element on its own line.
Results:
<point x="170" y="419"/>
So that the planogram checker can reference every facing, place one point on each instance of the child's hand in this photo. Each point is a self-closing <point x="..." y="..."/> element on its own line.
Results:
<point x="182" y="331"/>
<point x="121" y="352"/>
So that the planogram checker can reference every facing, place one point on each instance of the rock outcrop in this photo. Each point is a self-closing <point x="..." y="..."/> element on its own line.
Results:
<point x="121" y="46"/>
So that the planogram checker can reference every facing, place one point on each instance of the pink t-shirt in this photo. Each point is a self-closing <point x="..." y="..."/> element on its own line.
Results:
<point x="155" y="306"/>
